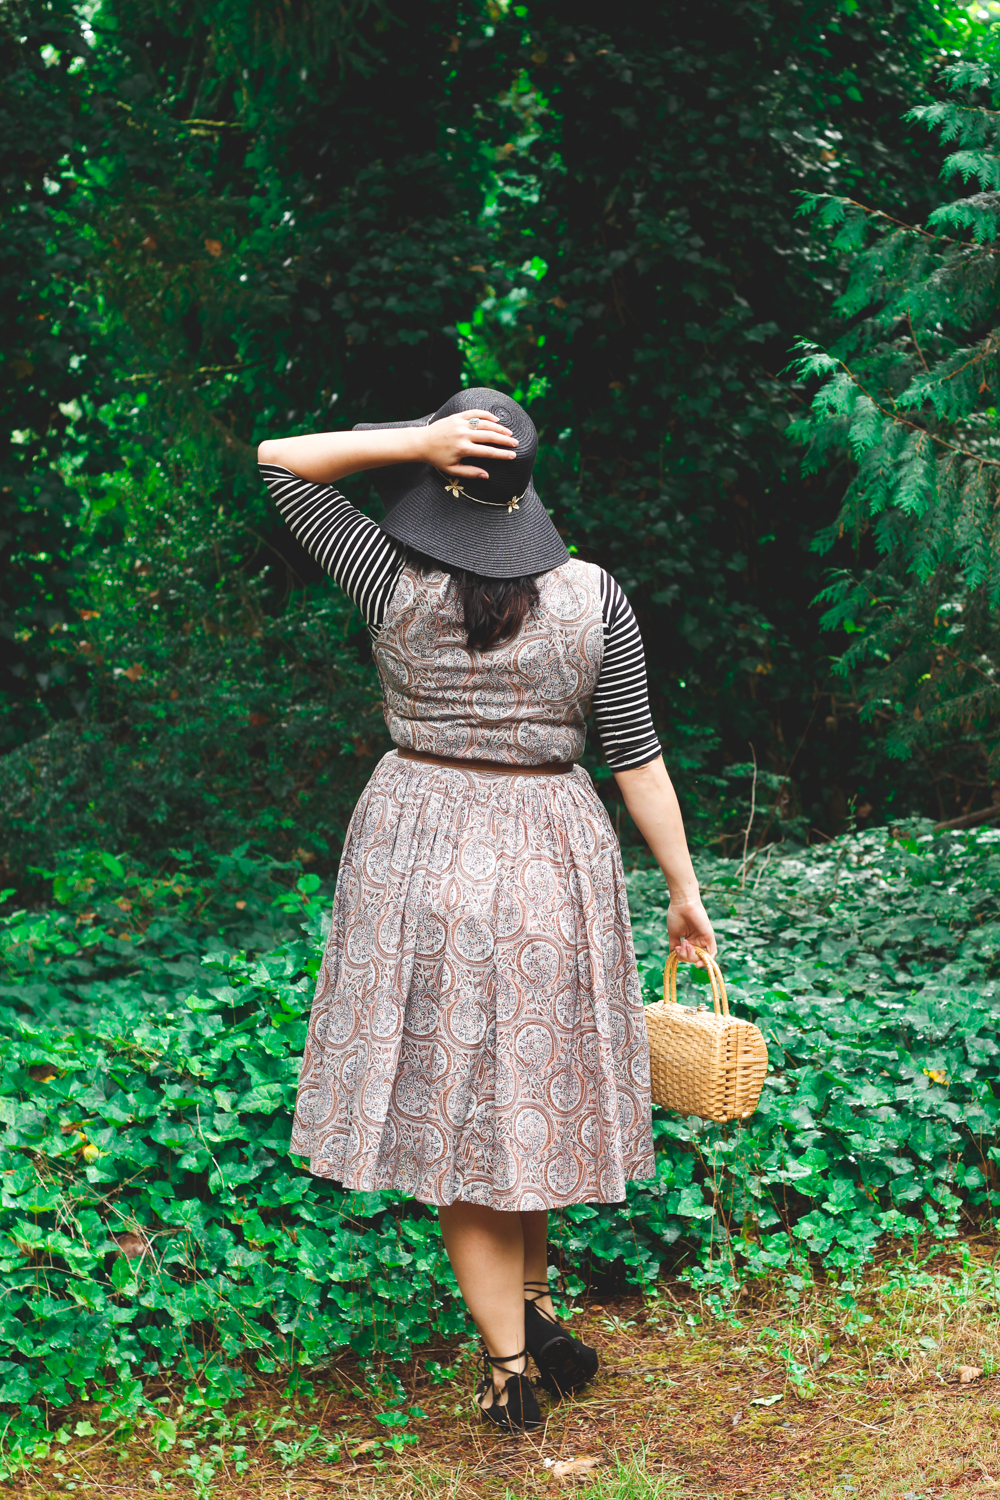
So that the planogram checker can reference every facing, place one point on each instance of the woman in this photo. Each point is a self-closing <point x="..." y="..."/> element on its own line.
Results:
<point x="477" y="1037"/>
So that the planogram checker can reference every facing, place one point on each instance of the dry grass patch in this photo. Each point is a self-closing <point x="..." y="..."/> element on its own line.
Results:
<point x="818" y="1400"/>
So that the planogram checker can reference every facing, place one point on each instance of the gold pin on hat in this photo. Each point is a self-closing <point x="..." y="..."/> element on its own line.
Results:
<point x="452" y="487"/>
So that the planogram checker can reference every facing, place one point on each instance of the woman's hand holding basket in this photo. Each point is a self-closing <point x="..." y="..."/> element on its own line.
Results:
<point x="688" y="928"/>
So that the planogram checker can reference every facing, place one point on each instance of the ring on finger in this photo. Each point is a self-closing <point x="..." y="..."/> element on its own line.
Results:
<point x="473" y="422"/>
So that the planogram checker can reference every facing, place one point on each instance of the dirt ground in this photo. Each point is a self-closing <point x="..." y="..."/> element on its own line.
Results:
<point x="904" y="1406"/>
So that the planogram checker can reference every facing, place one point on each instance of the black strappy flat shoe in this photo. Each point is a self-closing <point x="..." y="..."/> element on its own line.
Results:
<point x="521" y="1412"/>
<point x="564" y="1363"/>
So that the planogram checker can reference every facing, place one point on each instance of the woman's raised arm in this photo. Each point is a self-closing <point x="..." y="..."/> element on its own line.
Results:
<point x="451" y="445"/>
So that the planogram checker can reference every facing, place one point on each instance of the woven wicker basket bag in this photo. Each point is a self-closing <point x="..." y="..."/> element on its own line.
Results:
<point x="712" y="1065"/>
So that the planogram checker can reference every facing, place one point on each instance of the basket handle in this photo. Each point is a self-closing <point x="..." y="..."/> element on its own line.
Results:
<point x="720" y="999"/>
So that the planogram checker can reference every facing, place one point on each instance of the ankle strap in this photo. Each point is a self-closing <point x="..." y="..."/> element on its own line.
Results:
<point x="500" y="1360"/>
<point x="534" y="1291"/>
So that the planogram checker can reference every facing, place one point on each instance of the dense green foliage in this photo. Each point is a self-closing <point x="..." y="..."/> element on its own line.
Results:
<point x="221" y="229"/>
<point x="260" y="239"/>
<point x="222" y="720"/>
<point x="654" y="173"/>
<point x="44" y="368"/>
<point x="909" y="392"/>
<point x="152" y="1219"/>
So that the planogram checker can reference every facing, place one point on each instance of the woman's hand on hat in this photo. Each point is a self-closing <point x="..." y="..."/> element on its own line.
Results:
<point x="454" y="446"/>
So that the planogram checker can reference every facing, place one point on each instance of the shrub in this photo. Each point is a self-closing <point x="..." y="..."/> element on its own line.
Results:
<point x="211" y="714"/>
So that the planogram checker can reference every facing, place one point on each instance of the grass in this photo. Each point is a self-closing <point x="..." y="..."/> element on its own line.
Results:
<point x="802" y="1400"/>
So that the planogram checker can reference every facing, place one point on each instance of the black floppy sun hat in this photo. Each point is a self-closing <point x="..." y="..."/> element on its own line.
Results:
<point x="497" y="527"/>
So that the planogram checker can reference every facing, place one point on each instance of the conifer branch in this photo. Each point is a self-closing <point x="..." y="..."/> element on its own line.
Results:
<point x="893" y="416"/>
<point x="981" y="353"/>
<point x="880" y="213"/>
<point x="969" y="666"/>
<point x="916" y="346"/>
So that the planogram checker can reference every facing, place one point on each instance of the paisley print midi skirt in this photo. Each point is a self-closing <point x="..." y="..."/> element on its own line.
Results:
<point x="477" y="1031"/>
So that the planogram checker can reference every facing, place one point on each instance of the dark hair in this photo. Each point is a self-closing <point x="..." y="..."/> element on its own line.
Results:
<point x="493" y="609"/>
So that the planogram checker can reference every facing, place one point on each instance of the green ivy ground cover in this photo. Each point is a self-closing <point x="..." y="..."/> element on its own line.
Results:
<point x="153" y="1224"/>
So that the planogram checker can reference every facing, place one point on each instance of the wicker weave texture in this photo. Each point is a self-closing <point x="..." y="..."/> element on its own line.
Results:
<point x="712" y="1065"/>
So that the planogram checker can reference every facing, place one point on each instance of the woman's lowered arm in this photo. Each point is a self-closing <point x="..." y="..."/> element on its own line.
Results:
<point x="650" y="798"/>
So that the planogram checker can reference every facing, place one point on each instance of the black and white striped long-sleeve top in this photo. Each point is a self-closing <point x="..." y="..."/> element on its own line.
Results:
<point x="367" y="564"/>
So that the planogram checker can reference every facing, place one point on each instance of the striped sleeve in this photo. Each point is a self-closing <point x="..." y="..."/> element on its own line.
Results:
<point x="353" y="550"/>
<point x="621" y="699"/>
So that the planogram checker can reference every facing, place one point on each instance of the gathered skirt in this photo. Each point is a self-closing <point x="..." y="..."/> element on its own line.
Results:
<point x="477" y="1032"/>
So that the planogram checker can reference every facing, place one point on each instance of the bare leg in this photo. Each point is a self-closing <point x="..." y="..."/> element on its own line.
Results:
<point x="486" y="1250"/>
<point x="535" y="1227"/>
<point x="565" y="1364"/>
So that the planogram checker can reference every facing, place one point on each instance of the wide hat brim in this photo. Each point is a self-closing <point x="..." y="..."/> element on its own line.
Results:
<point x="461" y="532"/>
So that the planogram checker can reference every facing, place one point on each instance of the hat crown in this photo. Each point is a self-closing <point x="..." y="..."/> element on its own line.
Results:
<point x="508" y="478"/>
<point x="437" y="514"/>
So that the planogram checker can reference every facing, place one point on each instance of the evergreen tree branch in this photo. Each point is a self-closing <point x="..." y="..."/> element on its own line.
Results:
<point x="880" y="213"/>
<point x="916" y="345"/>
<point x="916" y="427"/>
